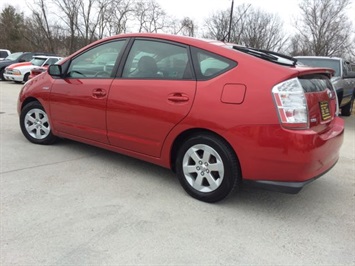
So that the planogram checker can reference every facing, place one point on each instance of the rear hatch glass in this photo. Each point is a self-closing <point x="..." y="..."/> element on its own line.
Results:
<point x="321" y="99"/>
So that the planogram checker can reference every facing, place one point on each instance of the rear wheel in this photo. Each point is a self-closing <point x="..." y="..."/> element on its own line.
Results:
<point x="348" y="108"/>
<point x="35" y="124"/>
<point x="207" y="168"/>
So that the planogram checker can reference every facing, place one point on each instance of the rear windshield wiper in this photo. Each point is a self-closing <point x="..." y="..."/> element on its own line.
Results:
<point x="267" y="55"/>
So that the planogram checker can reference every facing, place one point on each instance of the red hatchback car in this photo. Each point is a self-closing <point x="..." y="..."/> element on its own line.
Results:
<point x="217" y="114"/>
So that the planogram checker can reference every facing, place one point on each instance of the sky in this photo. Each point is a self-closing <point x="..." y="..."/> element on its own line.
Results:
<point x="199" y="10"/>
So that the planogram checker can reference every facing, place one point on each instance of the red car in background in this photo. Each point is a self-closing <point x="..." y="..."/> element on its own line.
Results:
<point x="217" y="114"/>
<point x="36" y="71"/>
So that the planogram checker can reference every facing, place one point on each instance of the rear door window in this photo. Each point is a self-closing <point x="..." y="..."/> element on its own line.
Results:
<point x="150" y="59"/>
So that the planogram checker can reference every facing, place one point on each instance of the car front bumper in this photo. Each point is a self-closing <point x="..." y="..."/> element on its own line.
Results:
<point x="13" y="77"/>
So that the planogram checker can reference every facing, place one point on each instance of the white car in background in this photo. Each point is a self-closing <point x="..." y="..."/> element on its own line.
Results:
<point x="20" y="72"/>
<point x="4" y="53"/>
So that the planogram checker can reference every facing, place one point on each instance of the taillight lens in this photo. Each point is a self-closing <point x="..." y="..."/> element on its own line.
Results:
<point x="291" y="104"/>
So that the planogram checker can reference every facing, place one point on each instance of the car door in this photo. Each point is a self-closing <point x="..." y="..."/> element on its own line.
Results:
<point x="78" y="101"/>
<point x="155" y="92"/>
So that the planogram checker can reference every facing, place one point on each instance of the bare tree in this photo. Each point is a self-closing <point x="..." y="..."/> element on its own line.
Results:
<point x="150" y="16"/>
<point x="86" y="13"/>
<point x="218" y="25"/>
<point x="39" y="30"/>
<point x="250" y="27"/>
<point x="117" y="16"/>
<point x="185" y="27"/>
<point x="71" y="18"/>
<point x="324" y="28"/>
<point x="263" y="31"/>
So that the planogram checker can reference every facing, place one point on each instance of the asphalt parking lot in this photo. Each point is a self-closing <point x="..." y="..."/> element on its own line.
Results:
<point x="73" y="204"/>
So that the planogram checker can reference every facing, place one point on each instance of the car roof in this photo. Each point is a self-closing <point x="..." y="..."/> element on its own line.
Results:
<point x="45" y="56"/>
<point x="167" y="37"/>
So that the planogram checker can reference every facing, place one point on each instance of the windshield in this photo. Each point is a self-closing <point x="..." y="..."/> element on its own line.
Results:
<point x="38" y="61"/>
<point x="322" y="62"/>
<point x="13" y="56"/>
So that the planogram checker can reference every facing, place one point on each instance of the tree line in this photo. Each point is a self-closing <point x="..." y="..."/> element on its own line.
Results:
<point x="64" y="26"/>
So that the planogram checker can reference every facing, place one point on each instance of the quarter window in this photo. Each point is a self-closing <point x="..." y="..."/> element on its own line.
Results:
<point x="210" y="65"/>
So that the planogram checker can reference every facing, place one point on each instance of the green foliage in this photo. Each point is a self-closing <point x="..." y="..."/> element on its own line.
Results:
<point x="12" y="26"/>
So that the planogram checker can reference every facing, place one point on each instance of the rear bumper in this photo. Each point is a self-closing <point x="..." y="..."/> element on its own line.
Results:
<point x="273" y="156"/>
<point x="283" y="187"/>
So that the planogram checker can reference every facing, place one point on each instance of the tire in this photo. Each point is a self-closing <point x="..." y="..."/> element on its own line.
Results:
<point x="2" y="74"/>
<point x="35" y="126"/>
<point x="348" y="108"/>
<point x="25" y="78"/>
<point x="207" y="168"/>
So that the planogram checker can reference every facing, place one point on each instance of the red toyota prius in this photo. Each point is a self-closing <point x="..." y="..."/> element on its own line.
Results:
<point x="216" y="114"/>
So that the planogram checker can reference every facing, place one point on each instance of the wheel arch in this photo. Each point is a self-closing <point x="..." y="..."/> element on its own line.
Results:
<point x="26" y="75"/>
<point x="183" y="136"/>
<point x="29" y="100"/>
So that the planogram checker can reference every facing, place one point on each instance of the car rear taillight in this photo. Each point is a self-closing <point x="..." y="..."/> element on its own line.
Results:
<point x="291" y="104"/>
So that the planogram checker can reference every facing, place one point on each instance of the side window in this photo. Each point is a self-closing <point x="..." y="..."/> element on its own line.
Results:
<point x="210" y="65"/>
<point x="157" y="60"/>
<point x="27" y="57"/>
<point x="98" y="62"/>
<point x="50" y="61"/>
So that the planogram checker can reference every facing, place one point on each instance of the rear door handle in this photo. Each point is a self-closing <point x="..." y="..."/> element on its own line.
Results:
<point x="178" y="97"/>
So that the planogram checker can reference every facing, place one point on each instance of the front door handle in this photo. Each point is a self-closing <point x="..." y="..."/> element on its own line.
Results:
<point x="98" y="93"/>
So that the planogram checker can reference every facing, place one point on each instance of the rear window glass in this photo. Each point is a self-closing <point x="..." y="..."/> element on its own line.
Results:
<point x="315" y="83"/>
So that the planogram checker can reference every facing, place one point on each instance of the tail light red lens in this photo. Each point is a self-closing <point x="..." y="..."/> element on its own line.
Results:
<point x="291" y="104"/>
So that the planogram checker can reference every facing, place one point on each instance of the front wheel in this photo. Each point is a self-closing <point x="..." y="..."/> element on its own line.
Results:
<point x="207" y="168"/>
<point x="35" y="124"/>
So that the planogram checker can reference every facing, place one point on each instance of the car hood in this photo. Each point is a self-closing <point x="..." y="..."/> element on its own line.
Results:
<point x="16" y="65"/>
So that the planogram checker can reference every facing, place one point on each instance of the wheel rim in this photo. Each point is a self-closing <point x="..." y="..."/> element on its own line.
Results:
<point x="37" y="124"/>
<point x="203" y="168"/>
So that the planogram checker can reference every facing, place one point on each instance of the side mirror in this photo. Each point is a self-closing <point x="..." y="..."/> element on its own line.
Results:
<point x="55" y="70"/>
